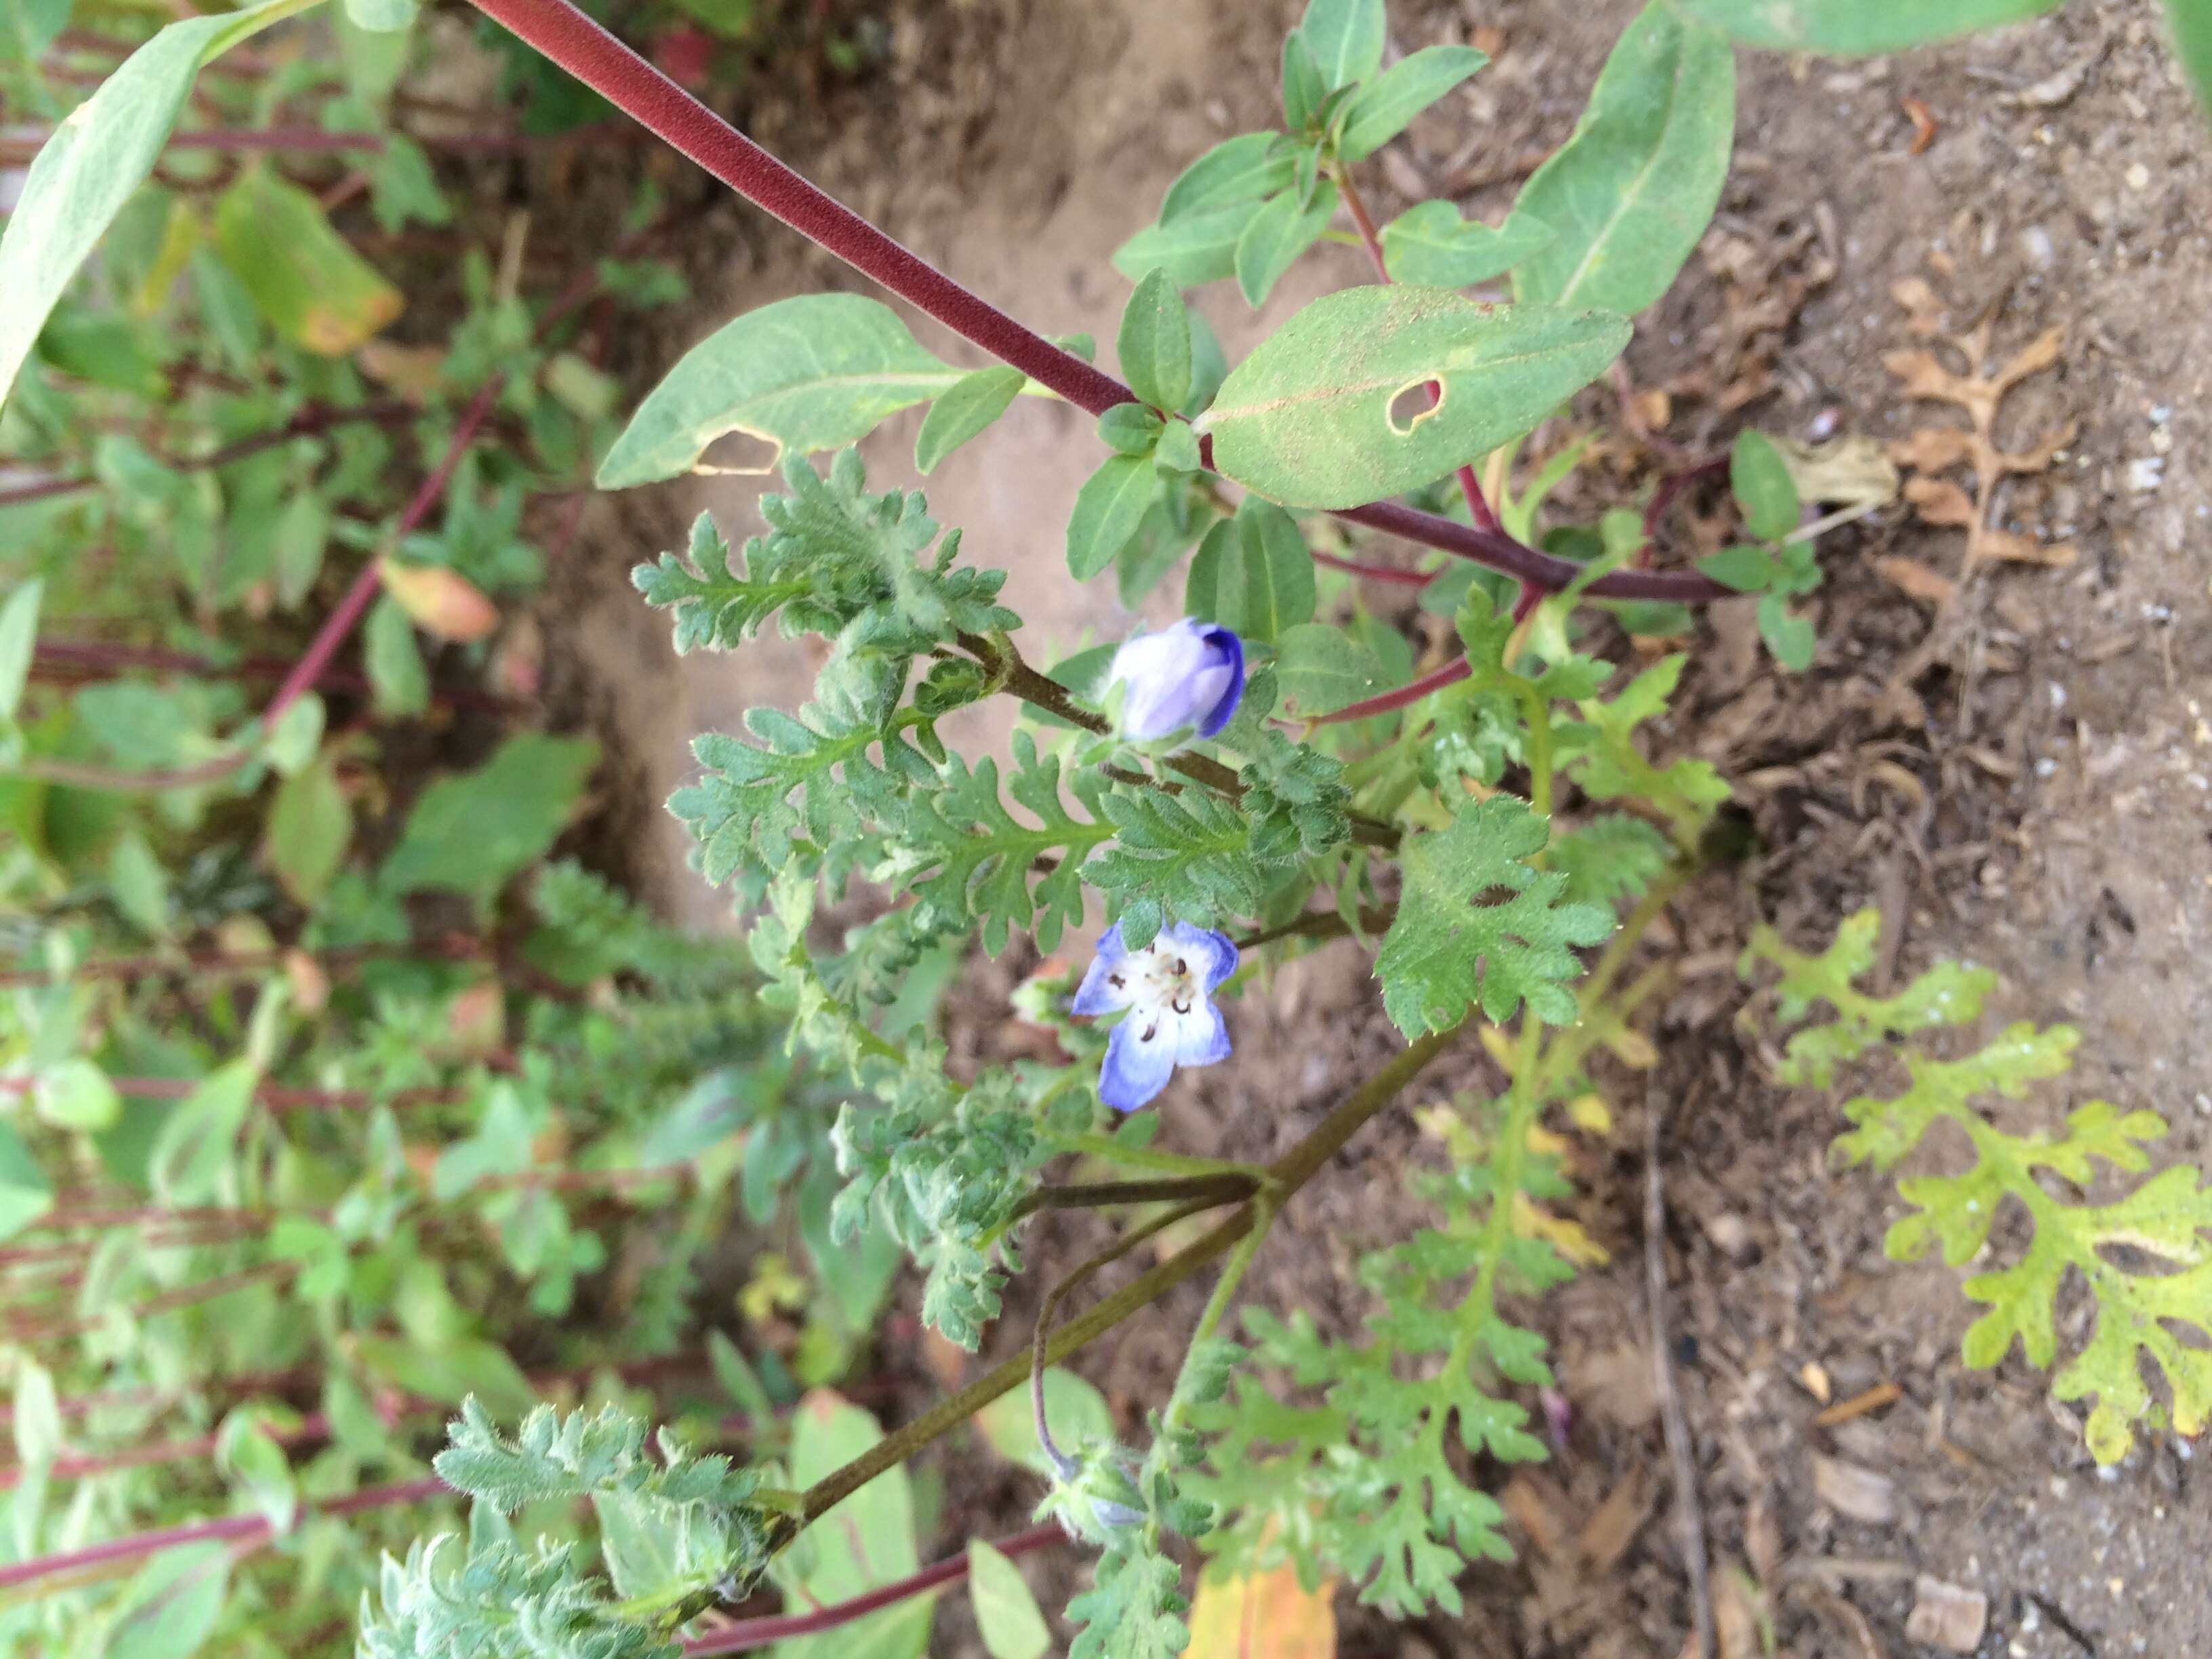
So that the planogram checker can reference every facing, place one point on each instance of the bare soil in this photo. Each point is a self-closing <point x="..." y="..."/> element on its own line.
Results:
<point x="2022" y="777"/>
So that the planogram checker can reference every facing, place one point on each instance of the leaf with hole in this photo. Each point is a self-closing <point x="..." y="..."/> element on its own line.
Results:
<point x="1383" y="107"/>
<point x="1332" y="411"/>
<point x="1633" y="189"/>
<point x="1431" y="244"/>
<point x="1858" y="28"/>
<point x="1253" y="574"/>
<point x="89" y="168"/>
<point x="817" y="372"/>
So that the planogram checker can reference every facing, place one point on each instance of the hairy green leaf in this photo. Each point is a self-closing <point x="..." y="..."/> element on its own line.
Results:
<point x="1448" y="950"/>
<point x="1319" y="669"/>
<point x="1346" y="38"/>
<point x="1633" y="190"/>
<point x="1760" y="481"/>
<point x="1199" y="247"/>
<point x="1319" y="415"/>
<point x="1109" y="506"/>
<point x="1273" y="238"/>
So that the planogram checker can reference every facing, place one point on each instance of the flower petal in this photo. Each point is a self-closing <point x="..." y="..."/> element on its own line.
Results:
<point x="1201" y="1036"/>
<point x="1225" y="641"/>
<point x="1098" y="993"/>
<point x="1216" y="951"/>
<point x="1137" y="1067"/>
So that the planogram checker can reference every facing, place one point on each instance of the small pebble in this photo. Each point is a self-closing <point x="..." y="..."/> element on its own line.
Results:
<point x="2138" y="177"/>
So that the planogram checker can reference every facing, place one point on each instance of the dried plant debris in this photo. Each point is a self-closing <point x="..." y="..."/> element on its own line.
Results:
<point x="1766" y="281"/>
<point x="1932" y="452"/>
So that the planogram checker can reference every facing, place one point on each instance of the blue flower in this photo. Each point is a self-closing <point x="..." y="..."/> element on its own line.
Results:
<point x="1190" y="673"/>
<point x="1168" y="989"/>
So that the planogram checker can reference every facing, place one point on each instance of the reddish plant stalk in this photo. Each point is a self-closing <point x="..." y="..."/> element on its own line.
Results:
<point x="1670" y="487"/>
<point x="747" y="1634"/>
<point x="1377" y="573"/>
<point x="84" y="1465"/>
<point x="241" y="1528"/>
<point x="184" y="1296"/>
<point x="202" y="964"/>
<point x="563" y="33"/>
<point x="314" y="419"/>
<point x="1450" y="674"/>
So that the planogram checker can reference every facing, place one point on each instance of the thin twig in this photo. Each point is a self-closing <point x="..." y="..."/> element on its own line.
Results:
<point x="1098" y="1194"/>
<point x="1689" y="1512"/>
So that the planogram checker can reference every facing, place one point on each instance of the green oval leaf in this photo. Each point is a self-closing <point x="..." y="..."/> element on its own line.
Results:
<point x="82" y="174"/>
<point x="1109" y="507"/>
<point x="1154" y="343"/>
<point x="1394" y="97"/>
<point x="1077" y="1412"/>
<point x="817" y="372"/>
<point x="24" y="1192"/>
<point x="76" y="1095"/>
<point x="1239" y="169"/>
<point x="1861" y="26"/>
<point x="1198" y="248"/>
<point x="1633" y="190"/>
<point x="1346" y="38"/>
<point x="1007" y="1614"/>
<point x="1760" y="480"/>
<point x="1432" y="245"/>
<point x="1275" y="236"/>
<point x="19" y="639"/>
<point x="1320" y="669"/>
<point x="1308" y="419"/>
<point x="1254" y="574"/>
<point x="1745" y="569"/>
<point x="305" y="278"/>
<point x="968" y="405"/>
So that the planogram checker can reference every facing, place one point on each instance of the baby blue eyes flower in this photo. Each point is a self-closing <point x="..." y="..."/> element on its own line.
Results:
<point x="1168" y="989"/>
<point x="1190" y="673"/>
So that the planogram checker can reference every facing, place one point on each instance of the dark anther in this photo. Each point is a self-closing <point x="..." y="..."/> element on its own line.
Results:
<point x="1183" y="1004"/>
<point x="1151" y="1031"/>
<point x="1181" y="966"/>
<point x="1115" y="980"/>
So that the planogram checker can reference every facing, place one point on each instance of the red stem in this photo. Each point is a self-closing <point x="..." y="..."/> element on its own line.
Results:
<point x="580" y="45"/>
<point x="1378" y="573"/>
<point x="315" y="1426"/>
<point x="1450" y="674"/>
<point x="184" y="1296"/>
<point x="249" y="1527"/>
<point x="316" y="418"/>
<point x="1664" y="498"/>
<point x="747" y="1634"/>
<point x="451" y="947"/>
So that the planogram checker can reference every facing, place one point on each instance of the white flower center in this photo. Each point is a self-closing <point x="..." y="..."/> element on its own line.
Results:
<point x="1160" y="979"/>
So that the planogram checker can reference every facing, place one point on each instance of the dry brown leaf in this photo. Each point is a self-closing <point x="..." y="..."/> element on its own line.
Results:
<point x="1762" y="1537"/>
<point x="413" y="372"/>
<point x="1852" y="1490"/>
<point x="1940" y="501"/>
<point x="1923" y="311"/>
<point x="2025" y="550"/>
<point x="1932" y="448"/>
<point x="1916" y="580"/>
<point x="1924" y="375"/>
<point x="1840" y="1613"/>
<point x="1262" y="1615"/>
<point x="1736" y="1614"/>
<point x="1948" y="1616"/>
<point x="1540" y="1509"/>
<point x="1609" y="1531"/>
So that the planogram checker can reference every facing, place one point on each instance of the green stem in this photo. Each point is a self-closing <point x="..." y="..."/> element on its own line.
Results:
<point x="1535" y="708"/>
<point x="1143" y="1158"/>
<point x="1226" y="1187"/>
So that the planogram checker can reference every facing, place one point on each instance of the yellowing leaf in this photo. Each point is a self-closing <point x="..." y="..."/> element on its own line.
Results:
<point x="181" y="239"/>
<point x="1569" y="1238"/>
<point x="1262" y="1615"/>
<point x="440" y="601"/>
<point x="1591" y="1114"/>
<point x="303" y="277"/>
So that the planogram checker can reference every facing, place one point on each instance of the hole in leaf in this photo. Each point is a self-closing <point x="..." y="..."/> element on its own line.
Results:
<point x="1410" y="405"/>
<point x="741" y="453"/>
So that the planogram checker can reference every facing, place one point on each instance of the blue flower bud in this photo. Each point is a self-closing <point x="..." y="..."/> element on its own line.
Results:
<point x="1190" y="673"/>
